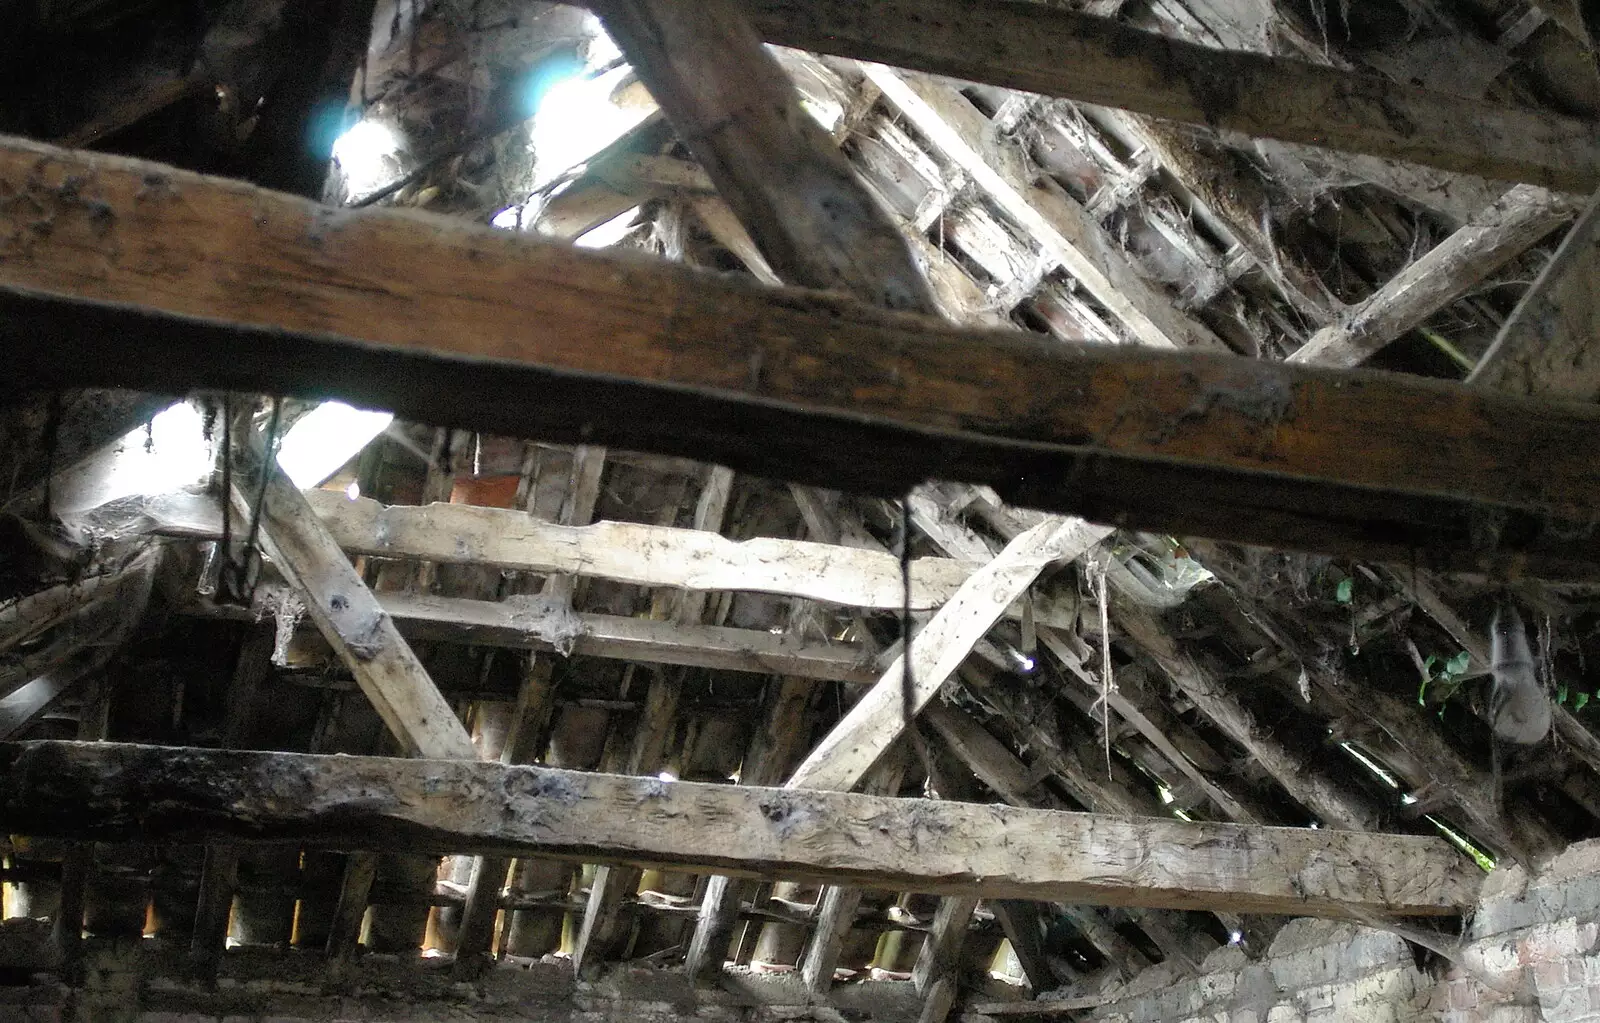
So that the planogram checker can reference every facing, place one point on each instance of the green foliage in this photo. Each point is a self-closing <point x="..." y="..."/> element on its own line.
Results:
<point x="1346" y="591"/>
<point x="1446" y="674"/>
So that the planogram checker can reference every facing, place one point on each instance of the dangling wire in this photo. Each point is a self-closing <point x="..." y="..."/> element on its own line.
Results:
<point x="238" y="574"/>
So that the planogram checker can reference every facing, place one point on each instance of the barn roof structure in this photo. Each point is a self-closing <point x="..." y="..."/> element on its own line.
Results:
<point x="771" y="510"/>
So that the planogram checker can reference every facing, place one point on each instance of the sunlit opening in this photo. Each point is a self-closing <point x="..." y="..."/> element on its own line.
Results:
<point x="368" y="155"/>
<point x="576" y="119"/>
<point x="170" y="454"/>
<point x="609" y="233"/>
<point x="325" y="439"/>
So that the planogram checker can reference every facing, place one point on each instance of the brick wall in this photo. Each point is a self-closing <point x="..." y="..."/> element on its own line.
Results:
<point x="1530" y="954"/>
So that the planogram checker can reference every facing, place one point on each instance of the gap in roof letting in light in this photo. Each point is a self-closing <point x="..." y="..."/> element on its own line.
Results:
<point x="327" y="437"/>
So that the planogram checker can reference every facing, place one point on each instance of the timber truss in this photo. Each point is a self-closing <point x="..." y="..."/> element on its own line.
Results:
<point x="556" y="675"/>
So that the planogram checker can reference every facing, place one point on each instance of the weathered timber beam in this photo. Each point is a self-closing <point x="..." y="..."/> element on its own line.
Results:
<point x="1550" y="346"/>
<point x="1046" y="49"/>
<point x="1497" y="235"/>
<point x="115" y="792"/>
<point x="354" y="623"/>
<point x="738" y="112"/>
<point x="1065" y="231"/>
<point x="627" y="552"/>
<point x="531" y="623"/>
<point x="124" y="287"/>
<point x="845" y="755"/>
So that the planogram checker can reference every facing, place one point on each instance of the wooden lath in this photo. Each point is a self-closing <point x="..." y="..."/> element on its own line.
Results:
<point x="110" y="792"/>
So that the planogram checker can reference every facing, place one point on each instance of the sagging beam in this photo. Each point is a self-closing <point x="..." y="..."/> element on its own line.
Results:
<point x="1498" y="234"/>
<point x="124" y="287"/>
<point x="1046" y="49"/>
<point x="117" y="792"/>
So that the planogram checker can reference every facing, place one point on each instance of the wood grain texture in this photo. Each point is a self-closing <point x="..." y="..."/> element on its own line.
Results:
<point x="845" y="755"/>
<point x="111" y="792"/>
<point x="150" y="276"/>
<point x="738" y="112"/>
<point x="1045" y="49"/>
<point x="1550" y="346"/>
<point x="1500" y="233"/>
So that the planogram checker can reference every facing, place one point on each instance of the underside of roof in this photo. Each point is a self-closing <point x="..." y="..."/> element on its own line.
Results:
<point x="1209" y="626"/>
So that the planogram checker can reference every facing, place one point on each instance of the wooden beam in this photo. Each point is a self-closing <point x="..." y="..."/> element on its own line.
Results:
<point x="1047" y="49"/>
<point x="1071" y="238"/>
<point x="737" y="111"/>
<point x="1549" y="346"/>
<point x="1497" y="235"/>
<point x="1333" y="803"/>
<point x="824" y="389"/>
<point x="627" y="552"/>
<point x="843" y="758"/>
<point x="115" y="792"/>
<point x="355" y="623"/>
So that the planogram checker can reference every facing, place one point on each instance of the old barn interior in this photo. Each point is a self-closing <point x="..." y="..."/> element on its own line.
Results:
<point x="472" y="471"/>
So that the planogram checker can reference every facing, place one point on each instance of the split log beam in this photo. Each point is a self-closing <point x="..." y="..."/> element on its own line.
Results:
<point x="1491" y="239"/>
<point x="737" y="111"/>
<point x="1368" y="465"/>
<point x="843" y="758"/>
<point x="116" y="792"/>
<point x="1049" y="50"/>
<point x="627" y="552"/>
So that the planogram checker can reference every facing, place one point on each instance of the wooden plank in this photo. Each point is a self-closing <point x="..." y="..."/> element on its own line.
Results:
<point x="1048" y="49"/>
<point x="115" y="792"/>
<point x="507" y="624"/>
<point x="737" y="111"/>
<point x="823" y="389"/>
<point x="630" y="552"/>
<point x="1500" y="233"/>
<point x="1071" y="238"/>
<point x="355" y="623"/>
<point x="877" y="719"/>
<point x="1548" y="347"/>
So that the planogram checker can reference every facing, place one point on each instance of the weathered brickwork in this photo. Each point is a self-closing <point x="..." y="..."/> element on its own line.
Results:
<point x="1531" y="953"/>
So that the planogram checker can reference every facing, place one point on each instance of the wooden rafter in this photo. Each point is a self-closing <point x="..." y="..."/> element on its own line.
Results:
<point x="1046" y="49"/>
<point x="112" y="792"/>
<point x="1365" y="465"/>
<point x="843" y="758"/>
<point x="1497" y="235"/>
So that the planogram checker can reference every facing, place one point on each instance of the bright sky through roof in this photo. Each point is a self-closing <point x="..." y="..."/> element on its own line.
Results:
<point x="325" y="439"/>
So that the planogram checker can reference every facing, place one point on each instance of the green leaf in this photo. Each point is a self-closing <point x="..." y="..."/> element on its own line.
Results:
<point x="1346" y="591"/>
<point x="1561" y="693"/>
<point x="1458" y="664"/>
<point x="1422" y="692"/>
<point x="1580" y="702"/>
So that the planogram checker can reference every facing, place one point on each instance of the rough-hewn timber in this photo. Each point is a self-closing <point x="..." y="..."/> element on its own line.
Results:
<point x="112" y="792"/>
<point x="152" y="277"/>
<point x="1045" y="49"/>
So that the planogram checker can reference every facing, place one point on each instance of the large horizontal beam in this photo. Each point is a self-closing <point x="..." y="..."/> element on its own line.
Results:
<point x="155" y="278"/>
<point x="1043" y="48"/>
<point x="114" y="792"/>
<point x="628" y="552"/>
